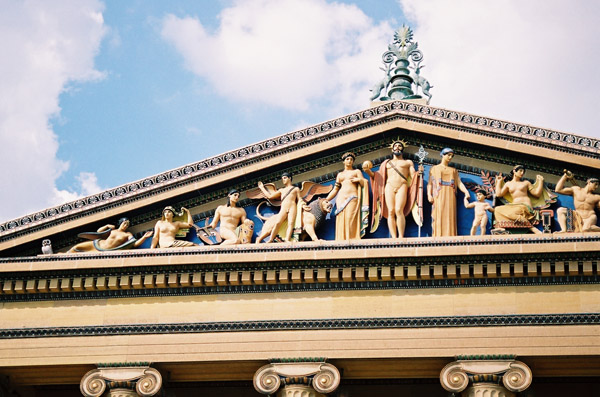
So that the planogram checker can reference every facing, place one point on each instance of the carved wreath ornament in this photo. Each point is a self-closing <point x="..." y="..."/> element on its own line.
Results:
<point x="323" y="377"/>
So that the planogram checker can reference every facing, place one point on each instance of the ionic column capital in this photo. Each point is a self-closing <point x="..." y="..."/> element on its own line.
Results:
<point x="121" y="380"/>
<point x="514" y="375"/>
<point x="305" y="373"/>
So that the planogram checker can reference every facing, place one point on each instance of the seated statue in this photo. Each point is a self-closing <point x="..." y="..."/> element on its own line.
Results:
<point x="165" y="230"/>
<point x="109" y="238"/>
<point x="233" y="221"/>
<point x="522" y="200"/>
<point x="583" y="218"/>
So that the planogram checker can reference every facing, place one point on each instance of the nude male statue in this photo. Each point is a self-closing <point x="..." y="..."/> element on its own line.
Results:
<point x="394" y="176"/>
<point x="585" y="201"/>
<point x="166" y="229"/>
<point x="230" y="217"/>
<point x="289" y="196"/>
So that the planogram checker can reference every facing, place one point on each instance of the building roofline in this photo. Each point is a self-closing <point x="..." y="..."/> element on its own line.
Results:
<point x="383" y="112"/>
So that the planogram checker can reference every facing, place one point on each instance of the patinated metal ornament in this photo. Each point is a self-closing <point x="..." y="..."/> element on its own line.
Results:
<point x="402" y="70"/>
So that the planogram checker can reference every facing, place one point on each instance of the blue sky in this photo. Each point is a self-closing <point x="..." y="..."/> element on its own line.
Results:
<point x="100" y="93"/>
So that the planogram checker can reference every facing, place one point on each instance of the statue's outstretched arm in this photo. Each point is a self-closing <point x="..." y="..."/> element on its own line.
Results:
<point x="141" y="240"/>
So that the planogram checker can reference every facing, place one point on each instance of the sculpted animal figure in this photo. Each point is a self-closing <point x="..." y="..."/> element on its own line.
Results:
<point x="381" y="85"/>
<point x="268" y="225"/>
<point x="47" y="247"/>
<point x="279" y="227"/>
<point x="422" y="82"/>
<point x="313" y="216"/>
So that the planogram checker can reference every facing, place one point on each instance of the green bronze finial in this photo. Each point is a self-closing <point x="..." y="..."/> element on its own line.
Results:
<point x="399" y="78"/>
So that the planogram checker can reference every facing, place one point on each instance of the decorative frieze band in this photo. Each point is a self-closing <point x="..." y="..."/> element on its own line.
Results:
<point x="567" y="319"/>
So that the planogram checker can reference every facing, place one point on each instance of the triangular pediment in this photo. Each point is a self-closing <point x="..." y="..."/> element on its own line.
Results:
<point x="481" y="144"/>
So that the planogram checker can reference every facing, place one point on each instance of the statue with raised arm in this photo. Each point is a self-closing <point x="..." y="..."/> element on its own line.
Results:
<point x="583" y="218"/>
<point x="522" y="200"/>
<point x="109" y="238"/>
<point x="480" y="206"/>
<point x="395" y="189"/>
<point x="230" y="217"/>
<point x="167" y="229"/>
<point x="352" y="202"/>
<point x="308" y="218"/>
<point x="441" y="193"/>
<point x="288" y="196"/>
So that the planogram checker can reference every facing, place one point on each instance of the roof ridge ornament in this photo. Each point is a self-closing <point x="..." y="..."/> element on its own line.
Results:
<point x="402" y="63"/>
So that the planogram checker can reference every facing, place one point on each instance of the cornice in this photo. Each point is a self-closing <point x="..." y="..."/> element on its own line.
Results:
<point x="383" y="264"/>
<point x="409" y="249"/>
<point x="296" y="140"/>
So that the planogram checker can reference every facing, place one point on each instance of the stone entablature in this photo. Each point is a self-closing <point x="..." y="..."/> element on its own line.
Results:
<point x="564" y="143"/>
<point x="474" y="261"/>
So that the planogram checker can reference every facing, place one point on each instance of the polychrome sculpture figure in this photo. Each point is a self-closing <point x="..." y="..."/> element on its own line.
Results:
<point x="308" y="217"/>
<point x="481" y="206"/>
<point x="395" y="189"/>
<point x="289" y="196"/>
<point x="583" y="218"/>
<point x="441" y="193"/>
<point x="109" y="238"/>
<point x="352" y="202"/>
<point x="230" y="218"/>
<point x="522" y="200"/>
<point x="168" y="228"/>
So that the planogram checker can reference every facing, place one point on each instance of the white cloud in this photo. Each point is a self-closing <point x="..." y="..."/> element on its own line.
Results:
<point x="87" y="185"/>
<point x="46" y="45"/>
<point x="526" y="61"/>
<point x="285" y="53"/>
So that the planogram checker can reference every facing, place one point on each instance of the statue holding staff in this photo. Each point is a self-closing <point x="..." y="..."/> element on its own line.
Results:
<point x="395" y="189"/>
